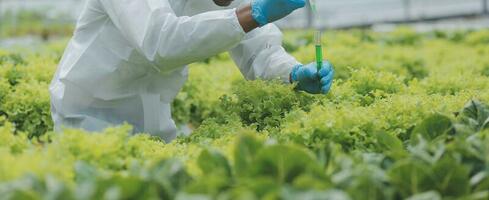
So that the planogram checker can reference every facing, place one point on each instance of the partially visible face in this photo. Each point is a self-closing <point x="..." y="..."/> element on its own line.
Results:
<point x="223" y="3"/>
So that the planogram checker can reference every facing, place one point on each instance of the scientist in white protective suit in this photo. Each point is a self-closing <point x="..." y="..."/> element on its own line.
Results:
<point x="128" y="59"/>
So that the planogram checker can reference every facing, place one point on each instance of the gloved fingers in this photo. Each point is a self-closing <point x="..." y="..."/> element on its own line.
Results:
<point x="295" y="72"/>
<point x="326" y="88"/>
<point x="298" y="3"/>
<point x="326" y="69"/>
<point x="327" y="78"/>
<point x="326" y="82"/>
<point x="308" y="72"/>
<point x="286" y="7"/>
<point x="267" y="11"/>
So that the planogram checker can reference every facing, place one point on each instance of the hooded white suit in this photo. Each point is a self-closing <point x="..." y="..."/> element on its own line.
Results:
<point x="127" y="60"/>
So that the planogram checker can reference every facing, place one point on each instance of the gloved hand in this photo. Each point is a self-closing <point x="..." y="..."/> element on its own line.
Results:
<point x="267" y="11"/>
<point x="308" y="79"/>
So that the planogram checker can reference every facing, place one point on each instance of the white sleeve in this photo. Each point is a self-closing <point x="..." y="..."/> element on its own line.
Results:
<point x="168" y="41"/>
<point x="261" y="56"/>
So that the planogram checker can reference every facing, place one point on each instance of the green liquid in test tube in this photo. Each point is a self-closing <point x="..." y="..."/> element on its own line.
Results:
<point x="317" y="37"/>
<point x="319" y="50"/>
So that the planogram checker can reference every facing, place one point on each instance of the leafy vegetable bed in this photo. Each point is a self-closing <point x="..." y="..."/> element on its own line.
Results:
<point x="407" y="119"/>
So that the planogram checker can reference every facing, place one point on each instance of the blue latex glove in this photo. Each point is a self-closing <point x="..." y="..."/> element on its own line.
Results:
<point x="309" y="80"/>
<point x="267" y="11"/>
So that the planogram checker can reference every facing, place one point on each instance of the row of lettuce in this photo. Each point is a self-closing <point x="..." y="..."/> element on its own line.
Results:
<point x="444" y="158"/>
<point x="404" y="120"/>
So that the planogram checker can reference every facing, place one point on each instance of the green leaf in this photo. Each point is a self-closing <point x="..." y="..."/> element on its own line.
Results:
<point x="211" y="161"/>
<point x="480" y="181"/>
<point x="171" y="177"/>
<point x="238" y="193"/>
<point x="290" y="194"/>
<point x="452" y="178"/>
<point x="476" y="115"/>
<point x="245" y="152"/>
<point x="261" y="185"/>
<point x="184" y="196"/>
<point x="411" y="177"/>
<point x="485" y="125"/>
<point x="432" y="127"/>
<point x="389" y="142"/>
<point x="211" y="184"/>
<point x="56" y="189"/>
<point x="85" y="172"/>
<point x="120" y="187"/>
<point x="430" y="195"/>
<point x="284" y="163"/>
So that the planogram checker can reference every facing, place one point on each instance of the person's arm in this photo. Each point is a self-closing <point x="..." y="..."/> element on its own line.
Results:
<point x="245" y="18"/>
<point x="261" y="56"/>
<point x="170" y="41"/>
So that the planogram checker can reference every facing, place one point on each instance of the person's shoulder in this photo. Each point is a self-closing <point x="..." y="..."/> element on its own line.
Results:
<point x="94" y="6"/>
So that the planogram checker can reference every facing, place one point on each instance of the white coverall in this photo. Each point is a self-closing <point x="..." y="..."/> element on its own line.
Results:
<point x="127" y="60"/>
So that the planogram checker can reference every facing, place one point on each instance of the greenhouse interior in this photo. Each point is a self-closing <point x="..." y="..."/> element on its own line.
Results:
<point x="244" y="99"/>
